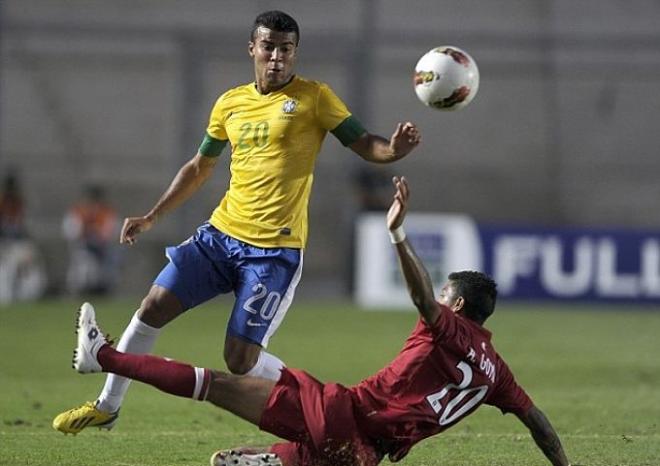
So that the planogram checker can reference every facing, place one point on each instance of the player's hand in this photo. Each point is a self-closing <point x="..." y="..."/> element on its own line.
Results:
<point x="399" y="206"/>
<point x="405" y="138"/>
<point x="132" y="227"/>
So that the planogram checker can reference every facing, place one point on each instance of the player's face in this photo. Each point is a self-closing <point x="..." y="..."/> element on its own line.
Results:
<point x="448" y="296"/>
<point x="274" y="55"/>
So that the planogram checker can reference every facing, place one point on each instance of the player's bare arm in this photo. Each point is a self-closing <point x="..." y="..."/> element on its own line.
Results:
<point x="545" y="436"/>
<point x="378" y="149"/>
<point x="417" y="277"/>
<point x="187" y="181"/>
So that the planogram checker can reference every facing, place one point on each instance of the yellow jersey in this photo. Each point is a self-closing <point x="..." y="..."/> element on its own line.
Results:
<point x="275" y="139"/>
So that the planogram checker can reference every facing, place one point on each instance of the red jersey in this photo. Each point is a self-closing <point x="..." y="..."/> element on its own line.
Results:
<point x="442" y="374"/>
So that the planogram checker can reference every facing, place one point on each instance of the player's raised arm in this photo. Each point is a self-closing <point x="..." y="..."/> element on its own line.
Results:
<point x="545" y="436"/>
<point x="186" y="182"/>
<point x="374" y="148"/>
<point x="417" y="278"/>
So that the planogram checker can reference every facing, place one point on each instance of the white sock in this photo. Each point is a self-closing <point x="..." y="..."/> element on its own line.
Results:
<point x="138" y="338"/>
<point x="202" y="383"/>
<point x="267" y="367"/>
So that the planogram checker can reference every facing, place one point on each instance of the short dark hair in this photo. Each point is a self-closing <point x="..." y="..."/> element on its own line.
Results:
<point x="275" y="20"/>
<point x="479" y="292"/>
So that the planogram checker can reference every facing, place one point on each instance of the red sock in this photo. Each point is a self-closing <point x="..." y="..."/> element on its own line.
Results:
<point x="289" y="453"/>
<point x="172" y="377"/>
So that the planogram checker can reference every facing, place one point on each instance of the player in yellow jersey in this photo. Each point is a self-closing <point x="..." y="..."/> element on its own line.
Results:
<point x="254" y="241"/>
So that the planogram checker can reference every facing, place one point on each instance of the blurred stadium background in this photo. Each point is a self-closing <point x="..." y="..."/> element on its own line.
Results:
<point x="563" y="131"/>
<point x="563" y="136"/>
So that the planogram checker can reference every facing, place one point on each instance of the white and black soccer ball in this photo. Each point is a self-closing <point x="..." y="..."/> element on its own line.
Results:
<point x="446" y="78"/>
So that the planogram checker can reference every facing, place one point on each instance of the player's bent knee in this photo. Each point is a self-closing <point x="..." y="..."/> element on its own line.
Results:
<point x="240" y="363"/>
<point x="240" y="355"/>
<point x="159" y="308"/>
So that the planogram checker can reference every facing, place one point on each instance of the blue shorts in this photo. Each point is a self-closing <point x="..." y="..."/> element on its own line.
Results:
<point x="262" y="279"/>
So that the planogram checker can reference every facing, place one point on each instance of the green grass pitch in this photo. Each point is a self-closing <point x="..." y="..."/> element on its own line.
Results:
<point x="595" y="374"/>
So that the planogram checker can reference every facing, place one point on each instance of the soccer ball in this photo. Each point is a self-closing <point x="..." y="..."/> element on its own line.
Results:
<point x="446" y="78"/>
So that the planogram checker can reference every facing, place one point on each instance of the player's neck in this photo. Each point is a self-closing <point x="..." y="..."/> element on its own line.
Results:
<point x="264" y="88"/>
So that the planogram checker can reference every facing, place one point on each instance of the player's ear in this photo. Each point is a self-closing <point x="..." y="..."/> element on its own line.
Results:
<point x="251" y="49"/>
<point x="459" y="304"/>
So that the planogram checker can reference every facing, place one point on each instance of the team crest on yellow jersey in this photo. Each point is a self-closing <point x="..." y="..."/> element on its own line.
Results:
<point x="289" y="106"/>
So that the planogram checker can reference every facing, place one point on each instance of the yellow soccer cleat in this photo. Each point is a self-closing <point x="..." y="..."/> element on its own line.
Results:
<point x="76" y="419"/>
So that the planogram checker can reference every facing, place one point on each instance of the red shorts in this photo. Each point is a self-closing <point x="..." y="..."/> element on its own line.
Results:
<point x="318" y="418"/>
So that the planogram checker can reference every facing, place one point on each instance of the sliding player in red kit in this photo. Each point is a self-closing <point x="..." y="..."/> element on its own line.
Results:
<point x="445" y="371"/>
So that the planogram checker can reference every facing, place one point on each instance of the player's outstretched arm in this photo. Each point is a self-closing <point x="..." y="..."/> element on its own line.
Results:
<point x="417" y="277"/>
<point x="545" y="436"/>
<point x="378" y="149"/>
<point x="188" y="180"/>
